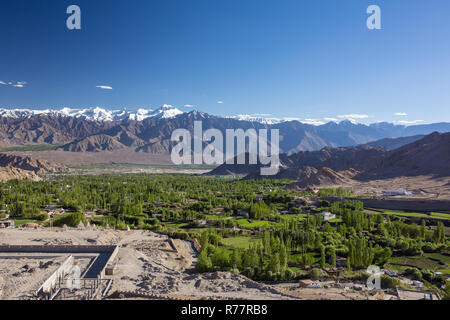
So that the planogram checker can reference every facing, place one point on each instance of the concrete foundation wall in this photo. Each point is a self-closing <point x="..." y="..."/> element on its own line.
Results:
<point x="59" y="274"/>
<point x="58" y="249"/>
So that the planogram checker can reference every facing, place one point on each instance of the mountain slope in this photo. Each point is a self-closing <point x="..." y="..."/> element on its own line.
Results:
<point x="312" y="177"/>
<point x="430" y="155"/>
<point x="340" y="166"/>
<point x="395" y="143"/>
<point x="26" y="168"/>
<point x="30" y="164"/>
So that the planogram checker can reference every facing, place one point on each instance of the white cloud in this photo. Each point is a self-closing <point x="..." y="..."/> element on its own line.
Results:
<point x="18" y="84"/>
<point x="220" y="102"/>
<point x="188" y="106"/>
<point x="104" y="87"/>
<point x="405" y="122"/>
<point x="331" y="119"/>
<point x="353" y="116"/>
<point x="401" y="114"/>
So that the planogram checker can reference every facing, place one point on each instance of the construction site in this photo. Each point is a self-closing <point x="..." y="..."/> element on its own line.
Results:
<point x="76" y="272"/>
<point x="71" y="264"/>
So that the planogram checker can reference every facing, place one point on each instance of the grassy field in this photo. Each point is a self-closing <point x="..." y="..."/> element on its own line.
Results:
<point x="433" y="215"/>
<point x="240" y="242"/>
<point x="431" y="261"/>
<point x="37" y="147"/>
<point x="177" y="224"/>
<point x="293" y="217"/>
<point x="251" y="224"/>
<point x="21" y="222"/>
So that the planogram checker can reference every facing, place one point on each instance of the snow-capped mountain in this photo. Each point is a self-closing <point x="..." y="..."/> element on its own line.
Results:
<point x="97" y="129"/>
<point x="266" y="119"/>
<point x="166" y="112"/>
<point x="96" y="113"/>
<point x="255" y="118"/>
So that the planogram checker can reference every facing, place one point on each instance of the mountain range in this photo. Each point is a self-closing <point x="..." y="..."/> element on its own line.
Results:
<point x="330" y="166"/>
<point x="97" y="129"/>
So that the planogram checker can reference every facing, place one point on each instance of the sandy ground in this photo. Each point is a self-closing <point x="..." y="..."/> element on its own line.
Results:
<point x="427" y="187"/>
<point x="423" y="187"/>
<point x="21" y="278"/>
<point x="336" y="291"/>
<point x="147" y="265"/>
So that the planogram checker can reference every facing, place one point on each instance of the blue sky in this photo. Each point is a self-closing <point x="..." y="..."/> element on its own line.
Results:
<point x="288" y="58"/>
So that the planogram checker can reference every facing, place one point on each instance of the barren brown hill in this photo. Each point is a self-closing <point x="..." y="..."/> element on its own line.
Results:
<point x="311" y="177"/>
<point x="28" y="164"/>
<point x="10" y="173"/>
<point x="359" y="158"/>
<point x="46" y="129"/>
<point x="394" y="143"/>
<point x="95" y="143"/>
<point x="430" y="155"/>
<point x="252" y="171"/>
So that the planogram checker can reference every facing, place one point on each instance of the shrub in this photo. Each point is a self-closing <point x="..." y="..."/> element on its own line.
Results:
<point x="428" y="275"/>
<point x="70" y="219"/>
<point x="151" y="221"/>
<point x="289" y="274"/>
<point x="324" y="203"/>
<point x="181" y="235"/>
<point x="41" y="216"/>
<point x="389" y="282"/>
<point x="316" y="274"/>
<point x="415" y="273"/>
<point x="204" y="263"/>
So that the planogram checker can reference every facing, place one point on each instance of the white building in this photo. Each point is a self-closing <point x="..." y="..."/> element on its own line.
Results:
<point x="327" y="216"/>
<point x="418" y="284"/>
<point x="398" y="192"/>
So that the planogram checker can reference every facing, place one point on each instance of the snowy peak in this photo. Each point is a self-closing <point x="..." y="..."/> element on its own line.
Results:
<point x="166" y="112"/>
<point x="256" y="118"/>
<point x="97" y="113"/>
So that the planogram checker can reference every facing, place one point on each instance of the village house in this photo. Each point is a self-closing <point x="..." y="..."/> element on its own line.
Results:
<point x="333" y="272"/>
<point x="418" y="284"/>
<point x="327" y="216"/>
<point x="399" y="192"/>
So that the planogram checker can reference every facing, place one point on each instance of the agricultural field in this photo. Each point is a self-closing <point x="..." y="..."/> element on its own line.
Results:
<point x="431" y="215"/>
<point x="431" y="261"/>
